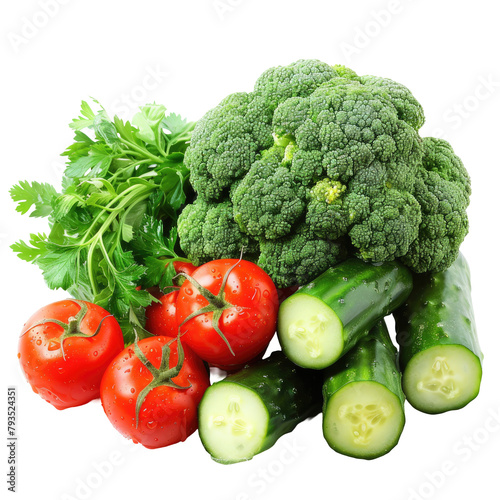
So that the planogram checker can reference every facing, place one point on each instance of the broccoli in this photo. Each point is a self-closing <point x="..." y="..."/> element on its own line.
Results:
<point x="317" y="163"/>
<point x="442" y="189"/>
<point x="327" y="216"/>
<point x="208" y="231"/>
<point x="299" y="257"/>
<point x="268" y="202"/>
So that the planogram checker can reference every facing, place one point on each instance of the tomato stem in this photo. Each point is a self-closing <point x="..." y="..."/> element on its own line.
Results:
<point x="217" y="304"/>
<point x="72" y="327"/>
<point x="161" y="376"/>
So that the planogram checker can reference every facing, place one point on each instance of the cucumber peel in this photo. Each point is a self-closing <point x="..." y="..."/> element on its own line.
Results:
<point x="324" y="319"/>
<point x="248" y="411"/>
<point x="439" y="351"/>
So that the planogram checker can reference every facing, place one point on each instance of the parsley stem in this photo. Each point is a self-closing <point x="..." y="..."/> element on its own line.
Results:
<point x="143" y="151"/>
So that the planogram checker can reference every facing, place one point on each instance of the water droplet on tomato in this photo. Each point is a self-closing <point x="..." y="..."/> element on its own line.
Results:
<point x="152" y="425"/>
<point x="18" y="355"/>
<point x="189" y="291"/>
<point x="266" y="294"/>
<point x="38" y="342"/>
<point x="96" y="353"/>
<point x="132" y="390"/>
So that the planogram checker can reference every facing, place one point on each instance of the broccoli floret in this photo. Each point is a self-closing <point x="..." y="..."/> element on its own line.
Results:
<point x="442" y="189"/>
<point x="268" y="202"/>
<point x="298" y="258"/>
<point x="408" y="108"/>
<point x="208" y="231"/>
<point x="389" y="229"/>
<point x="190" y="230"/>
<point x="226" y="141"/>
<point x="327" y="215"/>
<point x="316" y="151"/>
<point x="299" y="79"/>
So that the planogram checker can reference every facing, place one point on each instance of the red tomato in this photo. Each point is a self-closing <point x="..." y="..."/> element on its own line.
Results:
<point x="184" y="267"/>
<point x="65" y="348"/>
<point x="237" y="320"/>
<point x="167" y="414"/>
<point x="160" y="316"/>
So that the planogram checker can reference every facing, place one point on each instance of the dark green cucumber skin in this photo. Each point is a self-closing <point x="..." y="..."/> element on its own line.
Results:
<point x="291" y="394"/>
<point x="438" y="312"/>
<point x="373" y="358"/>
<point x="361" y="294"/>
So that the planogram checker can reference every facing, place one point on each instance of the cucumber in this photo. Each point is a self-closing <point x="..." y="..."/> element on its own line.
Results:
<point x="363" y="409"/>
<point x="439" y="349"/>
<point x="324" y="319"/>
<point x="248" y="411"/>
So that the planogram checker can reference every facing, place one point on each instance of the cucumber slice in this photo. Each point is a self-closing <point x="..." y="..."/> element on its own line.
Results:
<point x="439" y="350"/>
<point x="323" y="320"/>
<point x="235" y="422"/>
<point x="363" y="420"/>
<point x="442" y="378"/>
<point x="363" y="410"/>
<point x="311" y="332"/>
<point x="248" y="411"/>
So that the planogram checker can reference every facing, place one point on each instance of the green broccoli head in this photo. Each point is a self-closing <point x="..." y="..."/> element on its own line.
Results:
<point x="299" y="257"/>
<point x="208" y="231"/>
<point x="317" y="146"/>
<point x="442" y="189"/>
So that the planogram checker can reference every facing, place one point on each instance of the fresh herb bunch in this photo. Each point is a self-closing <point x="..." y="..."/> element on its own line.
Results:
<point x="113" y="225"/>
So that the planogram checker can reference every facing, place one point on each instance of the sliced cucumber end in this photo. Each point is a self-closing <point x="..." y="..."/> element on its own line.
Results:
<point x="442" y="378"/>
<point x="363" y="419"/>
<point x="233" y="422"/>
<point x="310" y="333"/>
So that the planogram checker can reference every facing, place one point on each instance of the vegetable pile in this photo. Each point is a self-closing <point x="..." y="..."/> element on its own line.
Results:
<point x="309" y="207"/>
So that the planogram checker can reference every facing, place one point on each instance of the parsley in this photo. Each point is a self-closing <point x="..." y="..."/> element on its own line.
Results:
<point x="112" y="228"/>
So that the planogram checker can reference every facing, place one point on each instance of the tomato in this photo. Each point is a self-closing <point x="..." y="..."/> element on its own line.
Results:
<point x="65" y="348"/>
<point x="168" y="412"/>
<point x="229" y="316"/>
<point x="160" y="316"/>
<point x="184" y="267"/>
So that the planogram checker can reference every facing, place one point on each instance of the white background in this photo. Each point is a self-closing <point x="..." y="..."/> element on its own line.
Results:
<point x="189" y="55"/>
